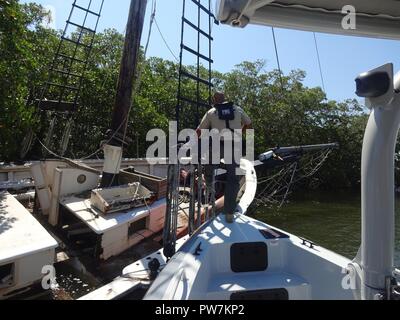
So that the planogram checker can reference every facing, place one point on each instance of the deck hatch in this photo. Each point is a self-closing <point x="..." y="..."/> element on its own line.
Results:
<point x="249" y="257"/>
<point x="272" y="234"/>
<point x="258" y="295"/>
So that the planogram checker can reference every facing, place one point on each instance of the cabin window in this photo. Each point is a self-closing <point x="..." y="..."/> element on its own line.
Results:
<point x="6" y="275"/>
<point x="81" y="179"/>
<point x="137" y="226"/>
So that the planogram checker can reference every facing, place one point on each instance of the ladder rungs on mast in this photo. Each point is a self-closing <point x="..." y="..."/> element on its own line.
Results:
<point x="198" y="54"/>
<point x="76" y="42"/>
<point x="197" y="29"/>
<point x="197" y="2"/>
<point x="61" y="106"/>
<point x="87" y="10"/>
<point x="193" y="77"/>
<point x="63" y="86"/>
<point x="75" y="75"/>
<point x="71" y="58"/>
<point x="81" y="27"/>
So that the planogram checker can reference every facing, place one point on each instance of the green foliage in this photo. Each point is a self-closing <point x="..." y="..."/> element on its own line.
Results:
<point x="284" y="111"/>
<point x="24" y="55"/>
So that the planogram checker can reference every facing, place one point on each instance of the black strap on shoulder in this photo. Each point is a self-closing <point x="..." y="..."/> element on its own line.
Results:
<point x="226" y="112"/>
<point x="228" y="125"/>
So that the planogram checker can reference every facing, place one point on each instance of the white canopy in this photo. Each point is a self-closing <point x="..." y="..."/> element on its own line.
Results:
<point x="374" y="18"/>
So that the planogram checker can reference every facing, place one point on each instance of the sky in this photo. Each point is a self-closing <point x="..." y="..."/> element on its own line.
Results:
<point x="343" y="58"/>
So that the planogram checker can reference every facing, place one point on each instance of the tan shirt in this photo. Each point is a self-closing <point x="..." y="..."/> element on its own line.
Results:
<point x="212" y="121"/>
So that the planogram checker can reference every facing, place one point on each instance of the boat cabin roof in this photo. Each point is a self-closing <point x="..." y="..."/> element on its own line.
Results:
<point x="374" y="18"/>
<point x="20" y="233"/>
<point x="101" y="223"/>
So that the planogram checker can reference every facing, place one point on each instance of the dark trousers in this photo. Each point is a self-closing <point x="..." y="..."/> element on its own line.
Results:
<point x="232" y="185"/>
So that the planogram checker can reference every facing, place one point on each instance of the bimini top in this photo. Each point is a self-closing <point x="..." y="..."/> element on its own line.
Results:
<point x="373" y="18"/>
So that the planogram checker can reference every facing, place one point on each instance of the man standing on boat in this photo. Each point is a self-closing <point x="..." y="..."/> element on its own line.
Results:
<point x="222" y="117"/>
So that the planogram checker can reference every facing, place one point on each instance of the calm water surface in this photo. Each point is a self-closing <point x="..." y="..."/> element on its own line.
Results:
<point x="332" y="220"/>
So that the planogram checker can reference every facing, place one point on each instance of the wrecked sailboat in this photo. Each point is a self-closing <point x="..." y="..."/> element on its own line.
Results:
<point x="261" y="262"/>
<point x="247" y="259"/>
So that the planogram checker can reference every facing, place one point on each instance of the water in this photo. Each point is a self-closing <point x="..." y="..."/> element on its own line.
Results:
<point x="332" y="220"/>
<point x="71" y="284"/>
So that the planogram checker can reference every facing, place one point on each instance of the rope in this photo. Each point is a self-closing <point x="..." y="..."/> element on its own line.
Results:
<point x="319" y="62"/>
<point x="244" y="9"/>
<point x="278" y="59"/>
<point x="165" y="41"/>
<point x="27" y="143"/>
<point x="288" y="189"/>
<point x="81" y="159"/>
<point x="66" y="136"/>
<point x="282" y="93"/>
<point x="50" y="133"/>
<point x="152" y="17"/>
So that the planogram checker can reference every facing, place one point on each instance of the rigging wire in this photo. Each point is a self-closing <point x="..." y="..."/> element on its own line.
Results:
<point x="152" y="21"/>
<point x="152" y="17"/>
<point x="319" y="62"/>
<point x="281" y="74"/>
<point x="277" y="58"/>
<point x="66" y="136"/>
<point x="165" y="41"/>
<point x="50" y="133"/>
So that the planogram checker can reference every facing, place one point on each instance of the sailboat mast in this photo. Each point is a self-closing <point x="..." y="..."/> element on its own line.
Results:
<point x="123" y="101"/>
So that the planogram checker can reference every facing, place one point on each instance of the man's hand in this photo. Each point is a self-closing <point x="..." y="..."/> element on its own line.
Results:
<point x="198" y="131"/>
<point x="245" y="128"/>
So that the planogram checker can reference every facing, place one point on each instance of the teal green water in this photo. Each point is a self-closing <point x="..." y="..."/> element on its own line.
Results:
<point x="332" y="220"/>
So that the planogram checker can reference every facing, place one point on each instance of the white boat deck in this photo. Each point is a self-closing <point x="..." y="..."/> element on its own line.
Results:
<point x="101" y="223"/>
<point x="221" y="286"/>
<point x="20" y="233"/>
<point x="209" y="266"/>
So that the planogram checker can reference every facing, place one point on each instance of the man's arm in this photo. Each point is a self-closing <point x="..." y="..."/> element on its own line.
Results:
<point x="247" y="127"/>
<point x="204" y="124"/>
<point x="246" y="122"/>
